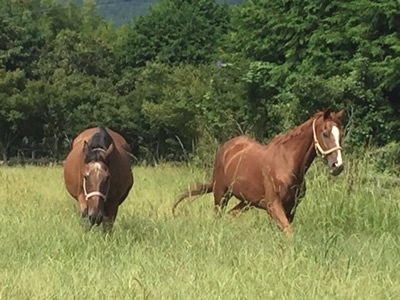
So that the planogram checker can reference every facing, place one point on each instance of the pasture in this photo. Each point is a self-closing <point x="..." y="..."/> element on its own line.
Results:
<point x="346" y="243"/>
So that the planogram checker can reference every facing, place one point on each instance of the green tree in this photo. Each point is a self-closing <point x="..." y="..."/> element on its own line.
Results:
<point x="297" y="48"/>
<point x="175" y="31"/>
<point x="13" y="109"/>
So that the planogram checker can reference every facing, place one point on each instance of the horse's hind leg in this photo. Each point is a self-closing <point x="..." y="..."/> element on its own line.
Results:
<point x="225" y="200"/>
<point x="219" y="193"/>
<point x="242" y="206"/>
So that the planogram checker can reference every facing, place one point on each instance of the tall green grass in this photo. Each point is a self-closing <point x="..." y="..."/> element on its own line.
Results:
<point x="346" y="243"/>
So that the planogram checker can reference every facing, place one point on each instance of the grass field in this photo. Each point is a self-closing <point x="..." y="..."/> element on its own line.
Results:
<point x="346" y="243"/>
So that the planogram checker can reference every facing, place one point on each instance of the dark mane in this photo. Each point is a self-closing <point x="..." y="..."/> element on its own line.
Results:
<point x="100" y="140"/>
<point x="298" y="130"/>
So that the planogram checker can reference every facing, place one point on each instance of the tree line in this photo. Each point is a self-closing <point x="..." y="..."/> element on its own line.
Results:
<point x="122" y="11"/>
<point x="190" y="74"/>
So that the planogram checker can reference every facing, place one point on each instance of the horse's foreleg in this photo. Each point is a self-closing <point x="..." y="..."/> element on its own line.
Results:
<point x="219" y="193"/>
<point x="277" y="213"/>
<point x="110" y="214"/>
<point x="272" y="204"/>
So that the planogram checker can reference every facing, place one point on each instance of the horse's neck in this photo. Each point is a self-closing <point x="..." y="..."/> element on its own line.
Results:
<point x="302" y="147"/>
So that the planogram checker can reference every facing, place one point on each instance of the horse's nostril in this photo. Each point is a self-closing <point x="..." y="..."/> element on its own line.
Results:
<point x="336" y="165"/>
<point x="95" y="219"/>
<point x="99" y="219"/>
<point x="92" y="219"/>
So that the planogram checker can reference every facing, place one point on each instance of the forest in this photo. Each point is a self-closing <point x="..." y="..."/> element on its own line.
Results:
<point x="122" y="11"/>
<point x="188" y="74"/>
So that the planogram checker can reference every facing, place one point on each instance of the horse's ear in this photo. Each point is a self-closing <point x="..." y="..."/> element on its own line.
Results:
<point x="327" y="113"/>
<point x="340" y="113"/>
<point x="86" y="149"/>
<point x="109" y="149"/>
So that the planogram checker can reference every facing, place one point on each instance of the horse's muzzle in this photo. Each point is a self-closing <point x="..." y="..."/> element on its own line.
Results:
<point x="336" y="170"/>
<point x="95" y="219"/>
<point x="84" y="213"/>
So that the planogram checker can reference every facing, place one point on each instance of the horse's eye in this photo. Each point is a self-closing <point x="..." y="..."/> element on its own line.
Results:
<point x="325" y="133"/>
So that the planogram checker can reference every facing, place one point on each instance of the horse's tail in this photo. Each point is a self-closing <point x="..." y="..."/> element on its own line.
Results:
<point x="199" y="189"/>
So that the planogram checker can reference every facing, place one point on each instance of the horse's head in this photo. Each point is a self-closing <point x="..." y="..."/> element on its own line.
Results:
<point x="327" y="131"/>
<point x="96" y="180"/>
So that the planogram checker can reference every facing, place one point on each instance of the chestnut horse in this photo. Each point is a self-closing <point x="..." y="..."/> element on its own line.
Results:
<point x="271" y="176"/>
<point x="97" y="173"/>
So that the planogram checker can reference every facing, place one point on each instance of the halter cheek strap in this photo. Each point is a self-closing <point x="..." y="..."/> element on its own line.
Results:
<point x="321" y="152"/>
<point x="96" y="193"/>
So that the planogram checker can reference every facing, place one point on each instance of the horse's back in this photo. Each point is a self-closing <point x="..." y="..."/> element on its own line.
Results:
<point x="237" y="147"/>
<point x="238" y="161"/>
<point x="85" y="135"/>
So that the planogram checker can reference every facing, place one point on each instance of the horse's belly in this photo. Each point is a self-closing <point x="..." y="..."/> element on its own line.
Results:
<point x="123" y="182"/>
<point x="71" y="175"/>
<point x="247" y="190"/>
<point x="244" y="178"/>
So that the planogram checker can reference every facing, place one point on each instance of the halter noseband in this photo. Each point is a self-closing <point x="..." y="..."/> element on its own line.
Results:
<point x="321" y="152"/>
<point x="96" y="193"/>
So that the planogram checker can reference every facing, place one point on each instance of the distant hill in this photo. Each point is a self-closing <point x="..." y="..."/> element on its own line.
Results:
<point x="122" y="11"/>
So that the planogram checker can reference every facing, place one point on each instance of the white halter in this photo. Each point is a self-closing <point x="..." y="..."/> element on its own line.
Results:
<point x="321" y="152"/>
<point x="96" y="193"/>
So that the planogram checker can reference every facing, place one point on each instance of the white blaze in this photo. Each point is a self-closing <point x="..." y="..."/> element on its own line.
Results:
<point x="97" y="168"/>
<point x="336" y="135"/>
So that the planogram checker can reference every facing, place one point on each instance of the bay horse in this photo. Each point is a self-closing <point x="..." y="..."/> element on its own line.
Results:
<point x="271" y="177"/>
<point x="97" y="173"/>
